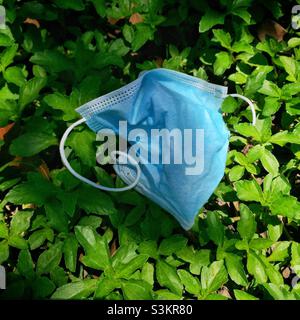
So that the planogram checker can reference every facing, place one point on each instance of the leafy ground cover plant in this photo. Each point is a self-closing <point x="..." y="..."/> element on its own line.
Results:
<point x="60" y="239"/>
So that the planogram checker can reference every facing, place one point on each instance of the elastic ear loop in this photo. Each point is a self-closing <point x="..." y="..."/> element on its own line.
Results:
<point x="250" y="103"/>
<point x="113" y="154"/>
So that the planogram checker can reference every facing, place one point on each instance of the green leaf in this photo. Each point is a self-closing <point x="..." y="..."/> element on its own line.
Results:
<point x="249" y="190"/>
<point x="260" y="243"/>
<point x="278" y="292"/>
<point x="49" y="259"/>
<point x="271" y="106"/>
<point x="236" y="173"/>
<point x="283" y="137"/>
<point x="20" y="222"/>
<point x="167" y="277"/>
<point x="291" y="67"/>
<point x="70" y="252"/>
<point x="30" y="90"/>
<point x="270" y="89"/>
<point x="59" y="276"/>
<point x="6" y="94"/>
<point x="191" y="284"/>
<point x="61" y="102"/>
<point x="95" y="201"/>
<point x="235" y="269"/>
<point x="105" y="286"/>
<point x="280" y="251"/>
<point x="247" y="224"/>
<point x="4" y="251"/>
<point x="210" y="19"/>
<point x="295" y="261"/>
<point x="242" y="295"/>
<point x="286" y="205"/>
<point x="215" y="228"/>
<point x="294" y="42"/>
<point x="77" y="5"/>
<point x="3" y="230"/>
<point x="31" y="143"/>
<point x="95" y="248"/>
<point x="223" y="62"/>
<point x="213" y="277"/>
<point x="15" y="75"/>
<point x="77" y="290"/>
<point x="142" y="34"/>
<point x="172" y="245"/>
<point x="17" y="242"/>
<point x="82" y="143"/>
<point x="25" y="264"/>
<point x="36" y="190"/>
<point x="229" y="105"/>
<point x="53" y="61"/>
<point x="125" y="270"/>
<point x="42" y="287"/>
<point x="222" y="37"/>
<point x="58" y="220"/>
<point x="7" y="56"/>
<point x="247" y="130"/>
<point x="38" y="237"/>
<point x="147" y="273"/>
<point x="128" y="33"/>
<point x="256" y="267"/>
<point x="238" y="78"/>
<point x="269" y="162"/>
<point x="136" y="290"/>
<point x="100" y="7"/>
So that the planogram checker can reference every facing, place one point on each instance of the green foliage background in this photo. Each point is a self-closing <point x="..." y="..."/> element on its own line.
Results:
<point x="61" y="239"/>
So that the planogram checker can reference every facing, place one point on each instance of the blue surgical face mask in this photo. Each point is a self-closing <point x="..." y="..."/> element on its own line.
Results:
<point x="165" y="99"/>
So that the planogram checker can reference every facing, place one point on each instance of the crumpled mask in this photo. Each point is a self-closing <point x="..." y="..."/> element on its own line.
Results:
<point x="165" y="99"/>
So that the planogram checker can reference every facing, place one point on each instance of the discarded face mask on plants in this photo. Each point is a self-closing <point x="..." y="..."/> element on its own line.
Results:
<point x="182" y="164"/>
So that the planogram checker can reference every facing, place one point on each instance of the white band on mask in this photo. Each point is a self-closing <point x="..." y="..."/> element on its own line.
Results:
<point x="250" y="103"/>
<point x="114" y="153"/>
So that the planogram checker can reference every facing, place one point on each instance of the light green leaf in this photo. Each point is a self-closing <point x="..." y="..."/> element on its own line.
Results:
<point x="77" y="290"/>
<point x="235" y="269"/>
<point x="256" y="267"/>
<point x="242" y="295"/>
<point x="269" y="162"/>
<point x="247" y="224"/>
<point x="167" y="277"/>
<point x="191" y="284"/>
<point x="210" y="19"/>
<point x="213" y="277"/>
<point x="222" y="63"/>
<point x="249" y="190"/>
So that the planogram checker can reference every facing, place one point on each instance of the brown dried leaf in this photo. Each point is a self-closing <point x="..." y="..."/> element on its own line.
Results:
<point x="136" y="18"/>
<point x="113" y="21"/>
<point x="32" y="21"/>
<point x="44" y="170"/>
<point x="5" y="130"/>
<point x="271" y="28"/>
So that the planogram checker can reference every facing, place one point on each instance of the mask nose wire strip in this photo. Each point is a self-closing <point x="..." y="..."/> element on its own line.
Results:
<point x="250" y="103"/>
<point x="114" y="153"/>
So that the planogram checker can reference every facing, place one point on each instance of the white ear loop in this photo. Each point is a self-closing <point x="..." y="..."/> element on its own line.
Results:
<point x="251" y="105"/>
<point x="113" y="154"/>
